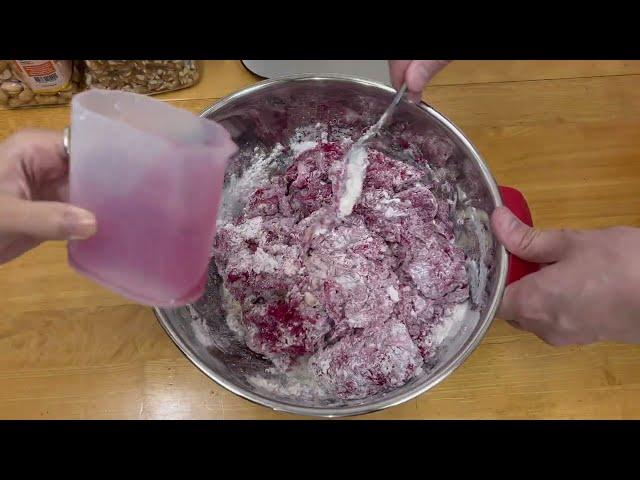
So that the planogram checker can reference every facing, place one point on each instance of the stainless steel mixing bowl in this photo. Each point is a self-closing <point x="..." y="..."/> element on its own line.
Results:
<point x="264" y="114"/>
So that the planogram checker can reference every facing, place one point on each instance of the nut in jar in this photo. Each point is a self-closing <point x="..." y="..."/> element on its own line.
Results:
<point x="28" y="83"/>
<point x="141" y="76"/>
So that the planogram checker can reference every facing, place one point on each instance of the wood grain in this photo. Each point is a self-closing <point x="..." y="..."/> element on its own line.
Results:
<point x="565" y="133"/>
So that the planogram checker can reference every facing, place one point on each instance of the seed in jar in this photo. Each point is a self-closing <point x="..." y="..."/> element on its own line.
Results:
<point x="11" y="88"/>
<point x="26" y="95"/>
<point x="5" y="75"/>
<point x="15" y="102"/>
<point x="46" y="99"/>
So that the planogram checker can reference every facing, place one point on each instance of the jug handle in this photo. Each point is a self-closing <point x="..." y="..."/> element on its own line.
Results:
<point x="514" y="200"/>
<point x="66" y="140"/>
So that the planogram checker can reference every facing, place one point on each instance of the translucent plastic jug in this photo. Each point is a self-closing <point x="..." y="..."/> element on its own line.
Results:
<point x="152" y="174"/>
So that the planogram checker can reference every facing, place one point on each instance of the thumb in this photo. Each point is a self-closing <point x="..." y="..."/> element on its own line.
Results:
<point x="526" y="242"/>
<point x="45" y="220"/>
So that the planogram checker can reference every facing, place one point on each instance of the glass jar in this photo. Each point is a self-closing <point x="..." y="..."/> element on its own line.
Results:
<point x="141" y="76"/>
<point x="35" y="83"/>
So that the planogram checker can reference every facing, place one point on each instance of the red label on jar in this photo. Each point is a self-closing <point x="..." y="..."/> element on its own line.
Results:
<point x="45" y="75"/>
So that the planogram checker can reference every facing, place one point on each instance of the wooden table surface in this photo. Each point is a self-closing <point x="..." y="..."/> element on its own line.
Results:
<point x="566" y="133"/>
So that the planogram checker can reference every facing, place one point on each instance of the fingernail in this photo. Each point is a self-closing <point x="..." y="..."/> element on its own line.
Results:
<point x="414" y="97"/>
<point x="80" y="224"/>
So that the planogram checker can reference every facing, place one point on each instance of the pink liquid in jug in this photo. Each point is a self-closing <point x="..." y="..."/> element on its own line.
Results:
<point x="157" y="251"/>
<point x="152" y="175"/>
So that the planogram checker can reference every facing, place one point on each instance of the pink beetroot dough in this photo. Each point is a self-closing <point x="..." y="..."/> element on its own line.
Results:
<point x="357" y="305"/>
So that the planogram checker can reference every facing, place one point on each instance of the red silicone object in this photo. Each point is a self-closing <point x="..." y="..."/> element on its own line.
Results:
<point x="515" y="201"/>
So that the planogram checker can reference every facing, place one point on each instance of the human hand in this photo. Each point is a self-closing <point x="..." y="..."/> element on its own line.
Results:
<point x="416" y="73"/>
<point x="33" y="188"/>
<point x="587" y="290"/>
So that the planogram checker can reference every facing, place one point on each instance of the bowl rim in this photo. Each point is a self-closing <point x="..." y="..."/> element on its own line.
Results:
<point x="391" y="399"/>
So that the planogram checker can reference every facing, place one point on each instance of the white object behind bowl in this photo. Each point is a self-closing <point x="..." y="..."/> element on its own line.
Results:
<point x="372" y="69"/>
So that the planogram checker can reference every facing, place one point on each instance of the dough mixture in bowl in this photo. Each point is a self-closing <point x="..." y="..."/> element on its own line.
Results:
<point x="359" y="307"/>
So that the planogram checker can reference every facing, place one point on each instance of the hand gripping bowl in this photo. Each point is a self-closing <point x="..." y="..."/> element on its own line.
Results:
<point x="266" y="114"/>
